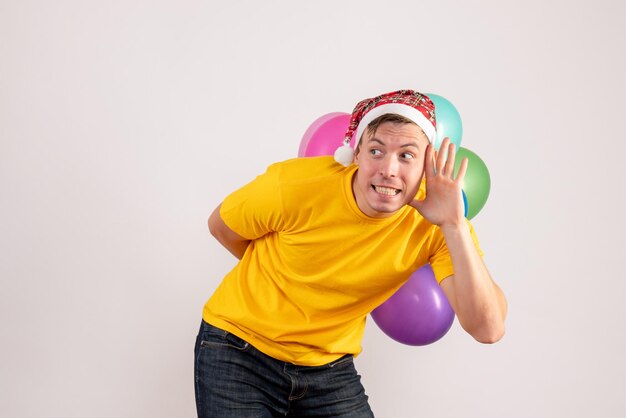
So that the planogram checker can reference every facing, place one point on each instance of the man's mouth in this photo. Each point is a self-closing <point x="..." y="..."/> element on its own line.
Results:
<point x="388" y="191"/>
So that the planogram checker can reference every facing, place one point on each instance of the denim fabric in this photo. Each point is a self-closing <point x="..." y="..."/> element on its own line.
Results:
<point x="234" y="379"/>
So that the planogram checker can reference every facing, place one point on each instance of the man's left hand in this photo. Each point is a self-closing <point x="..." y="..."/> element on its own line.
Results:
<point x="443" y="204"/>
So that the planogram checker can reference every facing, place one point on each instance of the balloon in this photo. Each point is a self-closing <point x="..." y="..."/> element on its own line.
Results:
<point x="324" y="135"/>
<point x="448" y="121"/>
<point x="418" y="313"/>
<point x="464" y="203"/>
<point x="476" y="184"/>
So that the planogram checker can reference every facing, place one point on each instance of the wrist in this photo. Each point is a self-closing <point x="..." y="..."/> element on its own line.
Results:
<point x="452" y="229"/>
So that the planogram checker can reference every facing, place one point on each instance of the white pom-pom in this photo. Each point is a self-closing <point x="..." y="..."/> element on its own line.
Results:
<point x="344" y="155"/>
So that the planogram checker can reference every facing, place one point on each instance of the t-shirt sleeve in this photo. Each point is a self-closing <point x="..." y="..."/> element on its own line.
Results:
<point x="440" y="260"/>
<point x="255" y="209"/>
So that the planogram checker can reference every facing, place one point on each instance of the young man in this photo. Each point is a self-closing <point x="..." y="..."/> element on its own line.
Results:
<point x="321" y="245"/>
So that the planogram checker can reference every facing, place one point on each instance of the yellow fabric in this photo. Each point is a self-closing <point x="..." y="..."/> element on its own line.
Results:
<point x="317" y="265"/>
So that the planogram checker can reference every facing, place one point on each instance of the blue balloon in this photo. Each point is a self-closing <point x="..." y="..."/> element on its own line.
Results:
<point x="465" y="206"/>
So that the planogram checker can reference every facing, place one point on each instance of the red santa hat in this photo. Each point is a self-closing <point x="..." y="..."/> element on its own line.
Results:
<point x="414" y="106"/>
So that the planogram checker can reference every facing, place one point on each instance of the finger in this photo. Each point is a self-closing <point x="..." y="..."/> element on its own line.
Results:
<point x="462" y="170"/>
<point x="441" y="158"/>
<point x="429" y="161"/>
<point x="448" y="170"/>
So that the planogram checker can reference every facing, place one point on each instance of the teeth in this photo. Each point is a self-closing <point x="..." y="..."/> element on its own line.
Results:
<point x="389" y="191"/>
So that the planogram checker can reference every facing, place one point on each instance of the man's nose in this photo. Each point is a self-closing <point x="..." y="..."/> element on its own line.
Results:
<point x="389" y="166"/>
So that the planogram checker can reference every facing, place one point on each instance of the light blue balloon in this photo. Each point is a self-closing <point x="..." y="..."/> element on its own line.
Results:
<point x="448" y="121"/>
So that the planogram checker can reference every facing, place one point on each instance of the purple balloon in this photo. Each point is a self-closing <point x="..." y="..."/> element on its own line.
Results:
<point x="418" y="313"/>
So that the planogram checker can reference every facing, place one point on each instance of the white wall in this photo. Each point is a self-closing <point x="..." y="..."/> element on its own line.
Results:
<point x="123" y="123"/>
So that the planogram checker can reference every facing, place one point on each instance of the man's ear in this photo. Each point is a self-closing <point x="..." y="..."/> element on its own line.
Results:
<point x="357" y="152"/>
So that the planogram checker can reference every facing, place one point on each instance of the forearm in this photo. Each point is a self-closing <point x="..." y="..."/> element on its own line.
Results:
<point x="234" y="243"/>
<point x="478" y="302"/>
<point x="236" y="248"/>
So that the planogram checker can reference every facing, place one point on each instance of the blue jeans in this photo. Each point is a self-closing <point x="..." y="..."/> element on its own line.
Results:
<point x="234" y="379"/>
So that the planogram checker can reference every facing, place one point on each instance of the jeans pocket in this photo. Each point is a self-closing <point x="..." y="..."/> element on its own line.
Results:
<point x="348" y="358"/>
<point x="215" y="337"/>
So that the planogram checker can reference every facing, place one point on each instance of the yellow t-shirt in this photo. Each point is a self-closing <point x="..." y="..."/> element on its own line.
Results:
<point x="316" y="265"/>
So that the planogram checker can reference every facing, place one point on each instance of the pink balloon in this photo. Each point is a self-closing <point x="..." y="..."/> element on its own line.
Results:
<point x="324" y="135"/>
<point x="418" y="313"/>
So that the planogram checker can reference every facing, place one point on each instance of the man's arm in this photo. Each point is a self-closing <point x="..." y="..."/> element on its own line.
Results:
<point x="477" y="301"/>
<point x="232" y="241"/>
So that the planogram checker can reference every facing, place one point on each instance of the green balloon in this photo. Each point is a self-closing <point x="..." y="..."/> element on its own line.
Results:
<point x="476" y="183"/>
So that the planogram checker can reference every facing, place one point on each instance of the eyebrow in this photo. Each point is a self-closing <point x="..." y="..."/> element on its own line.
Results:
<point x="408" y="144"/>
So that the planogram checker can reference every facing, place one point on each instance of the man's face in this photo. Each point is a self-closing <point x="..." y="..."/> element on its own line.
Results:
<point x="391" y="165"/>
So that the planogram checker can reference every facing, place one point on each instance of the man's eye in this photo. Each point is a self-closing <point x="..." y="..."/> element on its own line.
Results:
<point x="375" y="152"/>
<point x="407" y="156"/>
